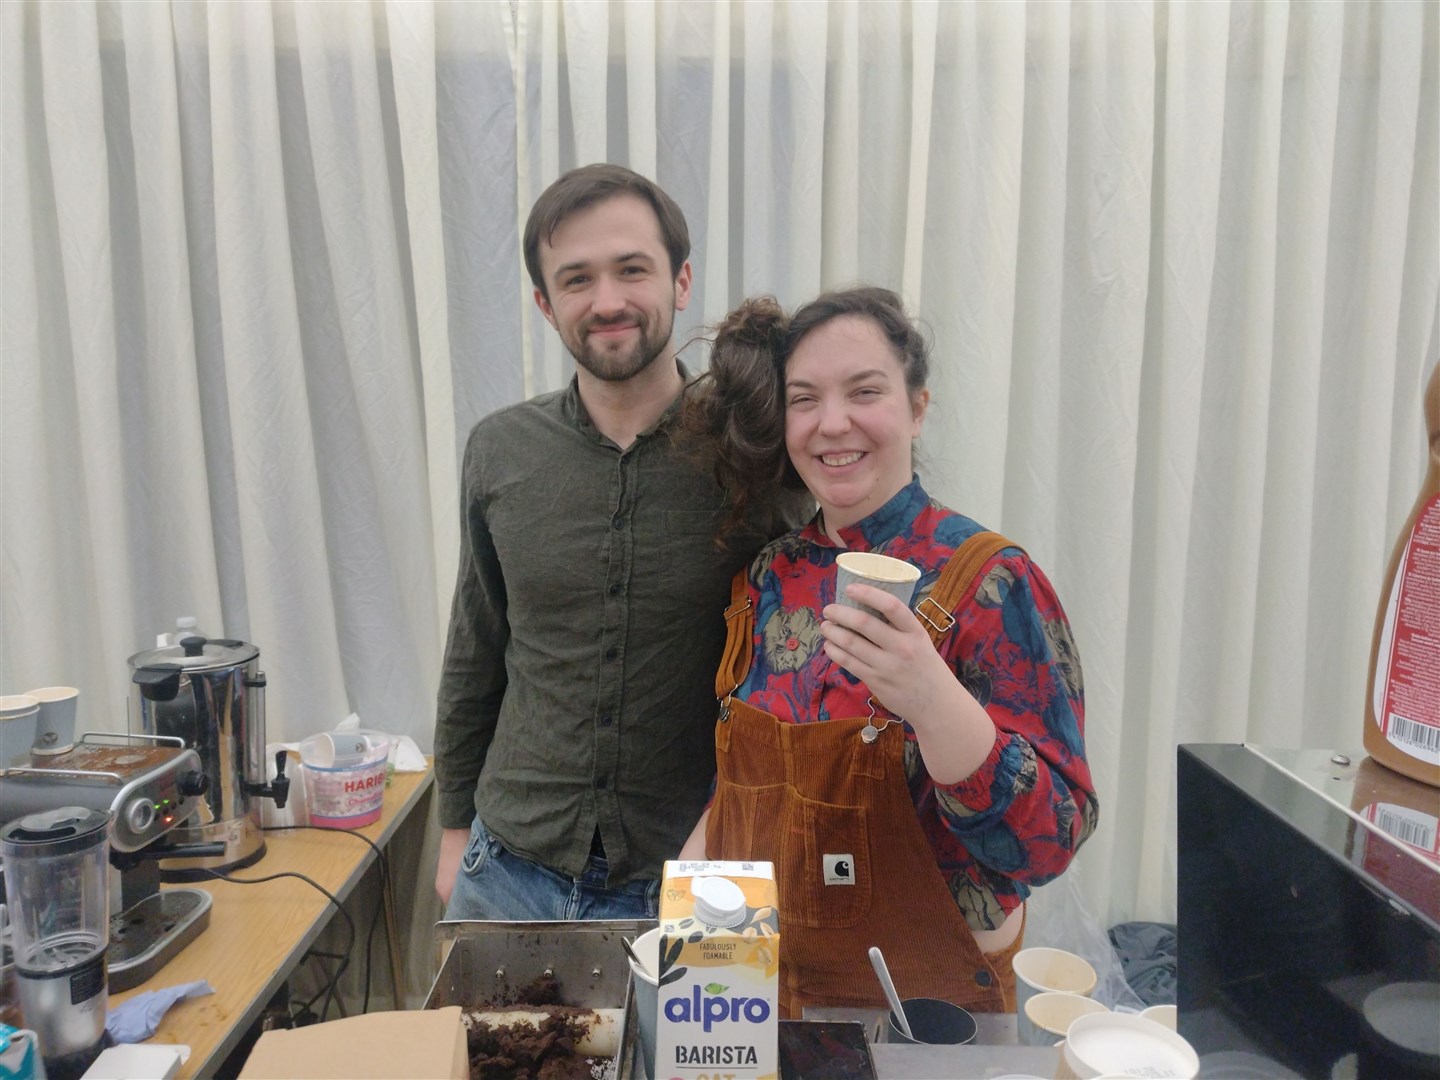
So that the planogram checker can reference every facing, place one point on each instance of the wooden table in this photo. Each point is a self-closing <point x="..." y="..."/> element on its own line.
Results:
<point x="259" y="933"/>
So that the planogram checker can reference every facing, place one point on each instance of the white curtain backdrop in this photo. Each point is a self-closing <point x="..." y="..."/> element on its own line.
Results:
<point x="261" y="274"/>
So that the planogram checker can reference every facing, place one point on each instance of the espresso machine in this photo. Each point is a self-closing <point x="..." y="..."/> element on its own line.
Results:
<point x="209" y="693"/>
<point x="111" y="800"/>
<point x="143" y="787"/>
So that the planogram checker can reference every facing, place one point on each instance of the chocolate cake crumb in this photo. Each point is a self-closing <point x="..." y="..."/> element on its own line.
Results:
<point x="525" y="1051"/>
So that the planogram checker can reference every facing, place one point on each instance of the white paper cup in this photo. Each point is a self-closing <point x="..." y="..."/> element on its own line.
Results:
<point x="1040" y="969"/>
<point x="645" y="981"/>
<point x="18" y="716"/>
<point x="1047" y="1016"/>
<point x="55" y="726"/>
<point x="894" y="576"/>
<point x="1165" y="1015"/>
<point x="1121" y="1044"/>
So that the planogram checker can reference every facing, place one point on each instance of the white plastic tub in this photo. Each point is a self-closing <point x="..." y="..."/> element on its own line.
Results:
<point x="345" y="773"/>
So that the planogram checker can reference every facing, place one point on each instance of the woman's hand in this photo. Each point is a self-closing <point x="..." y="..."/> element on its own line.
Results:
<point x="899" y="665"/>
<point x="896" y="661"/>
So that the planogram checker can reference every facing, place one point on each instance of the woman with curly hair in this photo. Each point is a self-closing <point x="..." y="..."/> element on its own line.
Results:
<point x="912" y="773"/>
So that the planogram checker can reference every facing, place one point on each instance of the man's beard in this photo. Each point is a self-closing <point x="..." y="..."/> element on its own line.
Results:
<point x="617" y="366"/>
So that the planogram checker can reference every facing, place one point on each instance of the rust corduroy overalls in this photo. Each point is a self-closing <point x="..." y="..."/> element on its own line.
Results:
<point x="825" y="806"/>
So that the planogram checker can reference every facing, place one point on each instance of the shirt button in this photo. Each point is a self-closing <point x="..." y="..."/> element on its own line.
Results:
<point x="615" y="589"/>
<point x="611" y="653"/>
<point x="617" y="522"/>
<point x="982" y="978"/>
<point x="792" y="643"/>
<point x="602" y="783"/>
<point x="605" y="720"/>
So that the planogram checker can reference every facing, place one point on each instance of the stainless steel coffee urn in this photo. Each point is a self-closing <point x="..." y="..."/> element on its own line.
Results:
<point x="211" y="693"/>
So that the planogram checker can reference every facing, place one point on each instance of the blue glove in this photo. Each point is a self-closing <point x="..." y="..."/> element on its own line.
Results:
<point x="138" y="1018"/>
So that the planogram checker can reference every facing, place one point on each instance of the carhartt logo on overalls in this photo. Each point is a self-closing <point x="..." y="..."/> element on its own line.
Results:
<point x="839" y="869"/>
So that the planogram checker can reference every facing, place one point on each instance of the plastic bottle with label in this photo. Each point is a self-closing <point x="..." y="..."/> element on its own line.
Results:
<point x="1402" y="696"/>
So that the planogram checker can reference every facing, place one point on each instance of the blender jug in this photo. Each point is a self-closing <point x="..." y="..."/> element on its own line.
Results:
<point x="56" y="866"/>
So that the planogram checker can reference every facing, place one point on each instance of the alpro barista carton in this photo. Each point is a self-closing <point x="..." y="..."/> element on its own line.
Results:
<point x="719" y="972"/>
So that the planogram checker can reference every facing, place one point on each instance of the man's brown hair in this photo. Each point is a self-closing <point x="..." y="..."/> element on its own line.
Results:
<point x="581" y="188"/>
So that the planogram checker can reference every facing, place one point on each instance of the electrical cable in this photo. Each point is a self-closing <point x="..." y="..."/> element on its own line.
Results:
<point x="326" y="988"/>
<point x="349" y="922"/>
<point x="370" y="951"/>
<point x="384" y="887"/>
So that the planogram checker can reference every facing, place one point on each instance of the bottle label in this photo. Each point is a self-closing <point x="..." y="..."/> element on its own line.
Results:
<point x="1407" y="684"/>
<point x="1415" y="877"/>
<point x="1409" y="825"/>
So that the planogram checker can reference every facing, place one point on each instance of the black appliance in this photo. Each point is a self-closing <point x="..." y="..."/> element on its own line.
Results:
<point x="1309" y="914"/>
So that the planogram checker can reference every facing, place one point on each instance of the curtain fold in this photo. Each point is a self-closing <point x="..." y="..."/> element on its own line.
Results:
<point x="1190" y="107"/>
<point x="262" y="273"/>
<point x="410" y="31"/>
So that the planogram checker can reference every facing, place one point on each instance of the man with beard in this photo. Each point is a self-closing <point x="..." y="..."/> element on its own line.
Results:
<point x="574" y="740"/>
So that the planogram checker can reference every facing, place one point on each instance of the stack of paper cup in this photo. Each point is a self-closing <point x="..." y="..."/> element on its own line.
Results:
<point x="55" y="726"/>
<point x="18" y="713"/>
<point x="1039" y="970"/>
<point x="1048" y="1016"/>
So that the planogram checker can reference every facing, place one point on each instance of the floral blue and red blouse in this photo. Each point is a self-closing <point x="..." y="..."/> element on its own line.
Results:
<point x="1017" y="821"/>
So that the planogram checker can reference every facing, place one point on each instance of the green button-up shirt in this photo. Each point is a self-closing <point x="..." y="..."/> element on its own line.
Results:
<point x="578" y="683"/>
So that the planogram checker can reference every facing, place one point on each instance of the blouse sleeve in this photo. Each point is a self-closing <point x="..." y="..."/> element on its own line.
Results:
<point x="1029" y="807"/>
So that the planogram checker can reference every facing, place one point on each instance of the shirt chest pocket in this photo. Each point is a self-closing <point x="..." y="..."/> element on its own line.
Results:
<point x="689" y="562"/>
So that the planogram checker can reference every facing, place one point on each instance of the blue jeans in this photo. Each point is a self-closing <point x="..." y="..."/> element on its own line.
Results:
<point x="494" y="883"/>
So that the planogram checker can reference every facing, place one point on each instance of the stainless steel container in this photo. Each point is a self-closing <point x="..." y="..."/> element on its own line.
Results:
<point x="484" y="962"/>
<point x="210" y="693"/>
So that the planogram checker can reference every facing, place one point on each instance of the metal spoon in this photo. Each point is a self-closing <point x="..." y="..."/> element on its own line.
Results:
<point x="883" y="973"/>
<point x="630" y="952"/>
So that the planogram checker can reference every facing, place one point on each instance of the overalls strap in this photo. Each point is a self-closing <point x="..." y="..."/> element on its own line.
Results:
<point x="957" y="581"/>
<point x="740" y="630"/>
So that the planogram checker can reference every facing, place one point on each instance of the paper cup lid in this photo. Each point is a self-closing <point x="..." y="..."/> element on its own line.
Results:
<point x="1111" y="1044"/>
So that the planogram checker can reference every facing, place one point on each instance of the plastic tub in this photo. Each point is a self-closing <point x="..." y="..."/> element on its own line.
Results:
<point x="344" y="777"/>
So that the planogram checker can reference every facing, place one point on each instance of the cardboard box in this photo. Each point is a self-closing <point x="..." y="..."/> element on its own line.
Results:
<point x="375" y="1046"/>
<point x="719" y="1013"/>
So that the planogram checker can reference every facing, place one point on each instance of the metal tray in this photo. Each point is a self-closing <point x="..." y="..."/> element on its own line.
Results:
<point x="486" y="961"/>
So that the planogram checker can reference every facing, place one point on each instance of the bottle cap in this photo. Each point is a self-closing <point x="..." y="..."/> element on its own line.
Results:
<point x="719" y="902"/>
